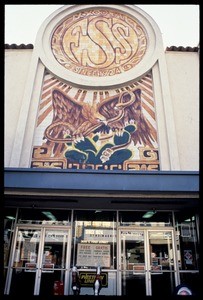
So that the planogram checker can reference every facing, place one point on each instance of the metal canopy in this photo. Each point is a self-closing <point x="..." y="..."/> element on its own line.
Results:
<point x="99" y="189"/>
<point x="85" y="180"/>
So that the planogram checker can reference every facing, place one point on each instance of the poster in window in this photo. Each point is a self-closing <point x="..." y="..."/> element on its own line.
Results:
<point x="93" y="255"/>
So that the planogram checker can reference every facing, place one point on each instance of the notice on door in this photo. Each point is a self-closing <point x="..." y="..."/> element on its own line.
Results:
<point x="92" y="255"/>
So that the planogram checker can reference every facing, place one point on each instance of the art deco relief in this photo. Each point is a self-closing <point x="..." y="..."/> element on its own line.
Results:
<point x="87" y="129"/>
<point x="80" y="127"/>
<point x="99" y="42"/>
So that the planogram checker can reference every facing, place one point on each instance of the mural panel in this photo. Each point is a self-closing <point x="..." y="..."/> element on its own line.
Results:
<point x="93" y="129"/>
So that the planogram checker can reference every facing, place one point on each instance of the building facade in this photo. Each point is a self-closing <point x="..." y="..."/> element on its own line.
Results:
<point x="101" y="157"/>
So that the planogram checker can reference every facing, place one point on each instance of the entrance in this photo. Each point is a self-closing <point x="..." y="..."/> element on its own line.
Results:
<point x="146" y="261"/>
<point x="134" y="255"/>
<point x="40" y="261"/>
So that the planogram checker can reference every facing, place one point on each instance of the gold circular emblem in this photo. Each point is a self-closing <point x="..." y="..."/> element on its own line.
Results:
<point x="99" y="43"/>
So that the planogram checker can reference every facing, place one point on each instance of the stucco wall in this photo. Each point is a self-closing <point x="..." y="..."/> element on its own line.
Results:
<point x="183" y="73"/>
<point x="17" y="62"/>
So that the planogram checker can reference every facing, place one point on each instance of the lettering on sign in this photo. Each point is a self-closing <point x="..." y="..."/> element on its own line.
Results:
<point x="87" y="279"/>
<point x="93" y="255"/>
<point x="99" y="42"/>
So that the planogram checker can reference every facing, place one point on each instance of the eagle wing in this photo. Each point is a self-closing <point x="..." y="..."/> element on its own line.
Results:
<point x="132" y="112"/>
<point x="67" y="117"/>
<point x="66" y="110"/>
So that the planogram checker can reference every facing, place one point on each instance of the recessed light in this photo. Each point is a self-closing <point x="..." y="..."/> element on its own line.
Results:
<point x="148" y="214"/>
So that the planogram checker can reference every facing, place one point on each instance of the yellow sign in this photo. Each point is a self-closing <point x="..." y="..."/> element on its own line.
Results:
<point x="87" y="279"/>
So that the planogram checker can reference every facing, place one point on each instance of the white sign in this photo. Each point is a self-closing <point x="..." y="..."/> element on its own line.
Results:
<point x="92" y="255"/>
<point x="107" y="235"/>
<point x="132" y="235"/>
<point x="54" y="236"/>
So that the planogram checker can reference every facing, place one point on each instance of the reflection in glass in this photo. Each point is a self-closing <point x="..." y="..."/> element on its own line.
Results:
<point x="53" y="262"/>
<point x="25" y="262"/>
<point x="132" y="262"/>
<point x="161" y="261"/>
<point x="94" y="239"/>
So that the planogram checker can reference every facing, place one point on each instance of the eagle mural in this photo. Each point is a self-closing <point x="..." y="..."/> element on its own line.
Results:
<point x="76" y="127"/>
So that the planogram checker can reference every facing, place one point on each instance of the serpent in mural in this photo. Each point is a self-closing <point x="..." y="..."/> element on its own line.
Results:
<point x="119" y="116"/>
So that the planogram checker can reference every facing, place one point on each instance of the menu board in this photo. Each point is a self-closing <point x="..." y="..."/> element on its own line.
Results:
<point x="92" y="255"/>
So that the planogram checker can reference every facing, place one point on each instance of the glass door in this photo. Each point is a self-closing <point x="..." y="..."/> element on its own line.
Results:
<point x="163" y="268"/>
<point x="54" y="262"/>
<point x="132" y="262"/>
<point x="146" y="262"/>
<point x="40" y="262"/>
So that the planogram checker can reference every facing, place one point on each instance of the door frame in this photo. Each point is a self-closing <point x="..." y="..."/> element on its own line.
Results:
<point x="42" y="228"/>
<point x="147" y="270"/>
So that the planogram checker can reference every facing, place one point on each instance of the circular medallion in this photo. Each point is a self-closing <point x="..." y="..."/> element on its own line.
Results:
<point x="99" y="46"/>
<point x="99" y="43"/>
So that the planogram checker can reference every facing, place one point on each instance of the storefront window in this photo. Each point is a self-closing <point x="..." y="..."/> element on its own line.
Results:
<point x="44" y="216"/>
<point x="188" y="249"/>
<point x="9" y="221"/>
<point x="145" y="218"/>
<point x="94" y="247"/>
<point x="186" y="227"/>
<point x="94" y="239"/>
